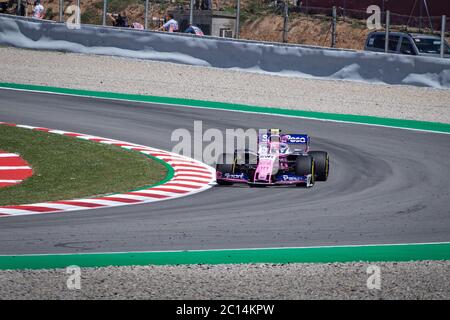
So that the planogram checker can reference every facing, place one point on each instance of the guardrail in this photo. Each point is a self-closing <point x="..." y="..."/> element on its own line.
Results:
<point x="277" y="58"/>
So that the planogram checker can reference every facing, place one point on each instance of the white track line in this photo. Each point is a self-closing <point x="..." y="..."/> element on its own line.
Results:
<point x="9" y="155"/>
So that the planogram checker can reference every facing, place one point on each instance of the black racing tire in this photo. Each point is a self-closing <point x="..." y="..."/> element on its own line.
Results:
<point x="224" y="166"/>
<point x="322" y="164"/>
<point x="304" y="165"/>
<point x="224" y="183"/>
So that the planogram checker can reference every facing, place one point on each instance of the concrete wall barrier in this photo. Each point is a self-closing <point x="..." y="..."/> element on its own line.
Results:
<point x="293" y="60"/>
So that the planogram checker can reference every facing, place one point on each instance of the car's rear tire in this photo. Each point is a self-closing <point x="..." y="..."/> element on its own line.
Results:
<point x="225" y="164"/>
<point x="322" y="164"/>
<point x="304" y="166"/>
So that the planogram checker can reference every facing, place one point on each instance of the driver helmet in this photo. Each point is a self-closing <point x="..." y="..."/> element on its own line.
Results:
<point x="284" y="148"/>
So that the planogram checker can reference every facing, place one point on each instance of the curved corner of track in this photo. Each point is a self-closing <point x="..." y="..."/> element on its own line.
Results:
<point x="185" y="177"/>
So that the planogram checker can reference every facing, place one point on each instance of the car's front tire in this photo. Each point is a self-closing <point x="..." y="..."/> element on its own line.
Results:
<point x="304" y="166"/>
<point x="225" y="164"/>
<point x="322" y="164"/>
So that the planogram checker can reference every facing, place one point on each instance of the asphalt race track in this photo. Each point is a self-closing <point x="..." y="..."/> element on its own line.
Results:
<point x="386" y="186"/>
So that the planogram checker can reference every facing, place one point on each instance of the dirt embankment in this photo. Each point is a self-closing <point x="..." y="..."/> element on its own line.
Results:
<point x="309" y="30"/>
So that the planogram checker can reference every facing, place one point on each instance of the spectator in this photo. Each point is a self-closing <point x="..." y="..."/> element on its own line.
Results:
<point x="137" y="25"/>
<point x="38" y="10"/>
<point x="22" y="9"/>
<point x="217" y="3"/>
<point x="171" y="25"/>
<point x="194" y="30"/>
<point x="206" y="5"/>
<point x="202" y="4"/>
<point x="3" y="7"/>
<point x="119" y="20"/>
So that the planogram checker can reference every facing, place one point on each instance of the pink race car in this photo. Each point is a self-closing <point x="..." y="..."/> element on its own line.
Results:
<point x="281" y="159"/>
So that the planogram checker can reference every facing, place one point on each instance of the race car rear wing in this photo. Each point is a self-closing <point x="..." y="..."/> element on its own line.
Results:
<point x="291" y="138"/>
<point x="297" y="142"/>
<point x="296" y="138"/>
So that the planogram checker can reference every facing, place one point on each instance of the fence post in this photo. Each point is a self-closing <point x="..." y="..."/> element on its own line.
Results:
<point x="443" y="35"/>
<point x="61" y="10"/>
<point x="191" y="12"/>
<point x="238" y="19"/>
<point x="428" y="14"/>
<point x="333" y="28"/>
<point x="388" y="22"/>
<point x="286" y="21"/>
<point x="79" y="9"/>
<point x="78" y="12"/>
<point x="343" y="11"/>
<point x="420" y="16"/>
<point x="105" y="9"/>
<point x="146" y="15"/>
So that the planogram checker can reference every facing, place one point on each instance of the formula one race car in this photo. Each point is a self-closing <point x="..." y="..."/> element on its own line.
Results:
<point x="281" y="159"/>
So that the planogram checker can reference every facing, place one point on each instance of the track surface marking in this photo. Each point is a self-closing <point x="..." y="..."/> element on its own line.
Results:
<point x="386" y="186"/>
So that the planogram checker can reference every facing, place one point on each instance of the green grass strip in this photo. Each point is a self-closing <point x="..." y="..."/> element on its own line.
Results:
<point x="170" y="173"/>
<point x="371" y="253"/>
<point x="69" y="168"/>
<point x="390" y="122"/>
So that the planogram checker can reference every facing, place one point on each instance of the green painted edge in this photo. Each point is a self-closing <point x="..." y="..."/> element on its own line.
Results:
<point x="169" y="174"/>
<point x="389" y="122"/>
<point x="342" y="254"/>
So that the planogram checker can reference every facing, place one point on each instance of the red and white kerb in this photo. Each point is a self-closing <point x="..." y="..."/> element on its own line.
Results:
<point x="13" y="169"/>
<point x="191" y="176"/>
